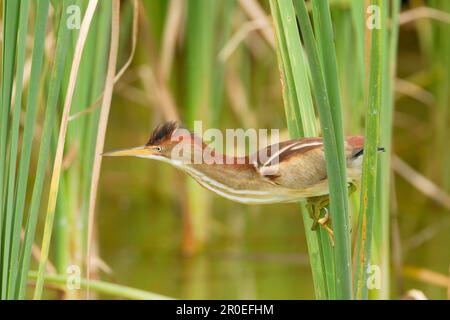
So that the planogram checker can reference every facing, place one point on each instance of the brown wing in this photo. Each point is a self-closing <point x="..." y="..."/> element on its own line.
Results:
<point x="300" y="163"/>
<point x="294" y="164"/>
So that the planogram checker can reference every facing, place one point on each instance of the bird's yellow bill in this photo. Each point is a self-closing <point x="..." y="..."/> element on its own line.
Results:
<point x="137" y="151"/>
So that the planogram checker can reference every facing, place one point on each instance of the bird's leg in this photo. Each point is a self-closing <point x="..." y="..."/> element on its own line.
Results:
<point x="315" y="205"/>
<point x="324" y="222"/>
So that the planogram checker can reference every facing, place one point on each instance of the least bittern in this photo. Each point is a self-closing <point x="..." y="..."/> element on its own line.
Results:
<point x="294" y="170"/>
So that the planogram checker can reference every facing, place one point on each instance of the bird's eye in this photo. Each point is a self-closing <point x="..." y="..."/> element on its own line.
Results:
<point x="159" y="149"/>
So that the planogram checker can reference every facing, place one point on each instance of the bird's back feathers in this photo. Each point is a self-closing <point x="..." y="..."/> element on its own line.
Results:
<point x="300" y="163"/>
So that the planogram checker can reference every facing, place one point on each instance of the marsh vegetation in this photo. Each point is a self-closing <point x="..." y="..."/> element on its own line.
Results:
<point x="79" y="77"/>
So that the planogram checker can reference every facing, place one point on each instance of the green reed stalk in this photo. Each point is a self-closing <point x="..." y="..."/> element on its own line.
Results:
<point x="101" y="132"/>
<point x="294" y="121"/>
<point x="301" y="121"/>
<point x="71" y="213"/>
<point x="381" y="228"/>
<point x="10" y="28"/>
<point x="14" y="222"/>
<point x="226" y="24"/>
<point x="372" y="132"/>
<point x="67" y="235"/>
<point x="200" y="58"/>
<point x="293" y="56"/>
<point x="357" y="10"/>
<point x="97" y="83"/>
<point x="14" y="258"/>
<point x="15" y="206"/>
<point x="352" y="88"/>
<point x="441" y="61"/>
<point x="328" y="57"/>
<point x="54" y="184"/>
<point x="62" y="43"/>
<point x="358" y="13"/>
<point x="324" y="83"/>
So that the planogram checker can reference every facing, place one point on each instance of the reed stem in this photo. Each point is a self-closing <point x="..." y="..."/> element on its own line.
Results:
<point x="372" y="133"/>
<point x="331" y="125"/>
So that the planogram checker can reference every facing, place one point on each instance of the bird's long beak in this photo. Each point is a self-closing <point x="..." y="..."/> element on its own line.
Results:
<point x="140" y="151"/>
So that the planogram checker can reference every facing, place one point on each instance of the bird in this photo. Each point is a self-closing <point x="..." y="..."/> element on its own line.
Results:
<point x="292" y="171"/>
